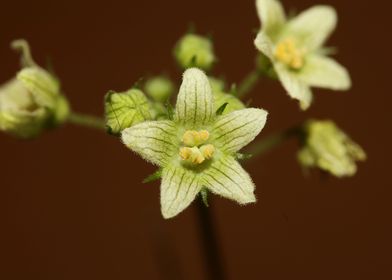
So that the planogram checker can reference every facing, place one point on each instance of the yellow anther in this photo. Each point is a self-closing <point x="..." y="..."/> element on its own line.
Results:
<point x="207" y="151"/>
<point x="288" y="53"/>
<point x="191" y="155"/>
<point x="195" y="138"/>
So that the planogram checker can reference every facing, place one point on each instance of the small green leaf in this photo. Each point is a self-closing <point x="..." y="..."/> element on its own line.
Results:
<point x="221" y="109"/>
<point x="153" y="177"/>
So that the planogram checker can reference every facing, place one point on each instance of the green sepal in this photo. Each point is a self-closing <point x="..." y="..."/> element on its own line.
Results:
<point x="221" y="109"/>
<point x="153" y="177"/>
<point x="240" y="156"/>
<point x="204" y="196"/>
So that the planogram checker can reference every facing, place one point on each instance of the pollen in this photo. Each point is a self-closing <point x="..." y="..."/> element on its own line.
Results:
<point x="288" y="53"/>
<point x="195" y="138"/>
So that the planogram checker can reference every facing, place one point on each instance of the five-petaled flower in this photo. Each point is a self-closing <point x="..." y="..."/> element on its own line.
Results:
<point x="196" y="150"/>
<point x="295" y="49"/>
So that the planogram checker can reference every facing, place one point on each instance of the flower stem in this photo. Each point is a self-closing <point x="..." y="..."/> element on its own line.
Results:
<point x="248" y="83"/>
<point x="212" y="257"/>
<point x="86" y="120"/>
<point x="274" y="140"/>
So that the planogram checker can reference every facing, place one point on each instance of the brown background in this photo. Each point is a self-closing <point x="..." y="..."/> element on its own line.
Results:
<point x="71" y="206"/>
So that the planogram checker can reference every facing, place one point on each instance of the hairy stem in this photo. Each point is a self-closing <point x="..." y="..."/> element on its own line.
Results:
<point x="274" y="140"/>
<point x="86" y="120"/>
<point x="248" y="83"/>
<point x="212" y="256"/>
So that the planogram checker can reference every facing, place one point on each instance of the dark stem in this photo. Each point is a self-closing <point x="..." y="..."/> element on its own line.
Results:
<point x="212" y="257"/>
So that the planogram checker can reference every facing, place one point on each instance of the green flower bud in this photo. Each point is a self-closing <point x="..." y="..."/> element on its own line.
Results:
<point x="31" y="103"/>
<point x="126" y="109"/>
<point x="159" y="88"/>
<point x="233" y="103"/>
<point x="194" y="51"/>
<point x="217" y="85"/>
<point x="330" y="149"/>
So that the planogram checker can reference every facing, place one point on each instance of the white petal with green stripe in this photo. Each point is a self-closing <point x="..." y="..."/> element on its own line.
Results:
<point x="126" y="109"/>
<point x="233" y="131"/>
<point x="227" y="178"/>
<point x="155" y="141"/>
<point x="312" y="27"/>
<point x="42" y="85"/>
<point x="195" y="102"/>
<point x="271" y="14"/>
<point x="179" y="188"/>
<point x="324" y="72"/>
<point x="294" y="86"/>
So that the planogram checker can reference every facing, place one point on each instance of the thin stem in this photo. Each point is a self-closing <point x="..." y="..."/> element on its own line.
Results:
<point x="274" y="140"/>
<point x="213" y="260"/>
<point x="248" y="83"/>
<point x="86" y="120"/>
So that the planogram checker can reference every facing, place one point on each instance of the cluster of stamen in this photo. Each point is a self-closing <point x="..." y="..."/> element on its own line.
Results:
<point x="195" y="149"/>
<point x="288" y="53"/>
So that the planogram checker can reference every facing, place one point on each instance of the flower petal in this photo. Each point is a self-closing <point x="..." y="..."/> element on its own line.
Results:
<point x="194" y="102"/>
<point x="264" y="44"/>
<point x="178" y="189"/>
<point x="322" y="71"/>
<point x="271" y="14"/>
<point x="312" y="27"/>
<point x="237" y="129"/>
<point x="227" y="178"/>
<point x="155" y="141"/>
<point x="294" y="86"/>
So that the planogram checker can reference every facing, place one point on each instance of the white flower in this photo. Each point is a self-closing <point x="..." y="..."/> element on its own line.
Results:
<point x="196" y="150"/>
<point x="295" y="48"/>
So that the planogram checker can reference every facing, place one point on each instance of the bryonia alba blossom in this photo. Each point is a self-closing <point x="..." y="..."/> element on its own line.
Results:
<point x="196" y="150"/>
<point x="330" y="149"/>
<point x="294" y="46"/>
<point x="31" y="102"/>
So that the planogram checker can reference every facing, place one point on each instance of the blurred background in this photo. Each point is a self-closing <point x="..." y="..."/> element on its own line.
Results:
<point x="72" y="205"/>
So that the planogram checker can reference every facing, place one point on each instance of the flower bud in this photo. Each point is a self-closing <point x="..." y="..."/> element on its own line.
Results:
<point x="126" y="109"/>
<point x="194" y="51"/>
<point x="159" y="88"/>
<point x="31" y="103"/>
<point x="330" y="149"/>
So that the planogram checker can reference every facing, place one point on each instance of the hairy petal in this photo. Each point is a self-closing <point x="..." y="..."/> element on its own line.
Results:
<point x="324" y="72"/>
<point x="271" y="14"/>
<point x="235" y="130"/>
<point x="195" y="101"/>
<point x="178" y="189"/>
<point x="155" y="141"/>
<point x="313" y="26"/>
<point x="264" y="44"/>
<point x="294" y="86"/>
<point x="227" y="178"/>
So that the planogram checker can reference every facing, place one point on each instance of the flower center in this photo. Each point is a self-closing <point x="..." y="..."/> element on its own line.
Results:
<point x="195" y="149"/>
<point x="289" y="54"/>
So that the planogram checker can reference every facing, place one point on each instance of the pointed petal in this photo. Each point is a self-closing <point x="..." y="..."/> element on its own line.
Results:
<point x="271" y="14"/>
<point x="227" y="178"/>
<point x="264" y="44"/>
<point x="155" y="141"/>
<point x="313" y="26"/>
<point x="178" y="189"/>
<point x="195" y="101"/>
<point x="237" y="129"/>
<point x="294" y="86"/>
<point x="324" y="72"/>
